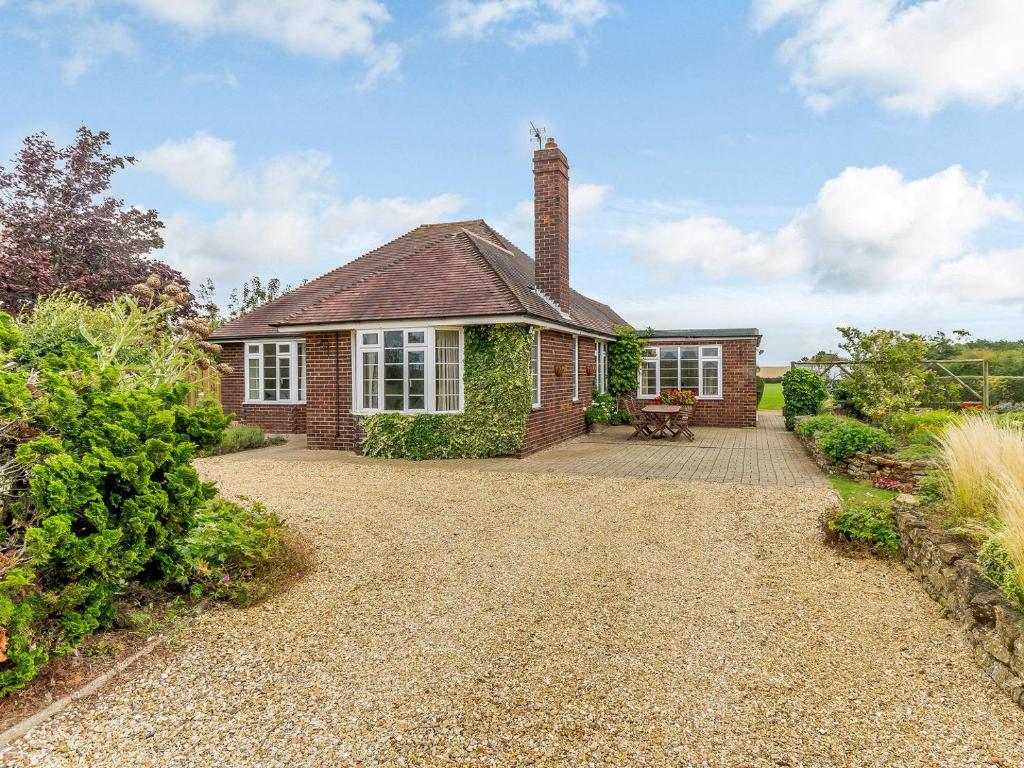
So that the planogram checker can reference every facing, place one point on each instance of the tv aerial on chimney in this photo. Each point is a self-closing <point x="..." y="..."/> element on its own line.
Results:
<point x="538" y="134"/>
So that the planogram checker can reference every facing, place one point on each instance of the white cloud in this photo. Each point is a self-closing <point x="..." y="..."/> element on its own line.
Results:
<point x="523" y="23"/>
<point x="282" y="216"/>
<point x="325" y="29"/>
<point x="711" y="245"/>
<point x="912" y="55"/>
<point x="796" y="321"/>
<point x="96" y="41"/>
<point x="868" y="227"/>
<point x="585" y="200"/>
<point x="997" y="276"/>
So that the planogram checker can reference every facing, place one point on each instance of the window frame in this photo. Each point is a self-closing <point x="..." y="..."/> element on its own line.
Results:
<point x="297" y="374"/>
<point x="429" y="348"/>
<point x="575" y="368"/>
<point x="601" y="358"/>
<point x="655" y="358"/>
<point x="536" y="383"/>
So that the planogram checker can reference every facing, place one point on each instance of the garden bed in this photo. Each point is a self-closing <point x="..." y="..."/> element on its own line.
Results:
<point x="869" y="467"/>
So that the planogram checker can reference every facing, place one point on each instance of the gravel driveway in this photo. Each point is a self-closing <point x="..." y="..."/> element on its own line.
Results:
<point x="487" y="619"/>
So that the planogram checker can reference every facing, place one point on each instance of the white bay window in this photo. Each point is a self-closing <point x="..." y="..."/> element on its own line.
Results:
<point x="408" y="370"/>
<point x="275" y="371"/>
<point x="694" y="367"/>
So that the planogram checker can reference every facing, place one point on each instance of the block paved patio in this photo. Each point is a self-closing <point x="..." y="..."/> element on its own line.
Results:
<point x="762" y="455"/>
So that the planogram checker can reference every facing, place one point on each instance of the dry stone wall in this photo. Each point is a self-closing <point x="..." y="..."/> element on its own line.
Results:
<point x="994" y="628"/>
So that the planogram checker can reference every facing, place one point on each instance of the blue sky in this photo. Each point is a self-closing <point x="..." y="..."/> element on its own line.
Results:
<point x="789" y="164"/>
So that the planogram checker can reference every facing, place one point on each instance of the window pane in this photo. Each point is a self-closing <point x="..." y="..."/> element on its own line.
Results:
<point x="394" y="371"/>
<point x="649" y="378"/>
<point x="371" y="380"/>
<point x="535" y="368"/>
<point x="448" y="370"/>
<point x="710" y="378"/>
<point x="651" y="353"/>
<point x="417" y="337"/>
<point x="709" y="351"/>
<point x="270" y="372"/>
<point x="417" y="372"/>
<point x="284" y="379"/>
<point x="669" y="367"/>
<point x="575" y="367"/>
<point x="688" y="368"/>
<point x="254" y="349"/>
<point x="254" y="376"/>
<point x="371" y="339"/>
<point x="300" y="369"/>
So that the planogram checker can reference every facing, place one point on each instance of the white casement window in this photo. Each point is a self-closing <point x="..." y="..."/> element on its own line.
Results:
<point x="535" y="367"/>
<point x="408" y="370"/>
<point x="601" y="358"/>
<point x="575" y="369"/>
<point x="275" y="371"/>
<point x="682" y="367"/>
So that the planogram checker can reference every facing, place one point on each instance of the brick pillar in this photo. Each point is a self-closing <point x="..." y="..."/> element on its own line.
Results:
<point x="329" y="419"/>
<point x="551" y="223"/>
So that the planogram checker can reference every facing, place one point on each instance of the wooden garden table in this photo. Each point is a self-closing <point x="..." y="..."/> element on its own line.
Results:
<point x="662" y="420"/>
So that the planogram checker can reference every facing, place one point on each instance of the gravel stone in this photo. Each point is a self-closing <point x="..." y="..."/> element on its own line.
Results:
<point x="490" y="619"/>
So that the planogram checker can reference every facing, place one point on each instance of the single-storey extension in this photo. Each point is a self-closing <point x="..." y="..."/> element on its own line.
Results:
<point x="414" y="327"/>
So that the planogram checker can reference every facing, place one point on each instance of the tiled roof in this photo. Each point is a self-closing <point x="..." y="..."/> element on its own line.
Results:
<point x="457" y="269"/>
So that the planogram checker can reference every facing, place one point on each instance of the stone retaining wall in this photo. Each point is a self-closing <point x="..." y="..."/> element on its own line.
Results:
<point x="947" y="569"/>
<point x="869" y="466"/>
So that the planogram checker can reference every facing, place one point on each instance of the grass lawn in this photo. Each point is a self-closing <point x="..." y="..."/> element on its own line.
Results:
<point x="772" y="398"/>
<point x="851" y="490"/>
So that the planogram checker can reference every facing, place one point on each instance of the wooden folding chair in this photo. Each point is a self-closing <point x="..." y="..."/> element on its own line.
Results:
<point x="638" y="419"/>
<point x="682" y="422"/>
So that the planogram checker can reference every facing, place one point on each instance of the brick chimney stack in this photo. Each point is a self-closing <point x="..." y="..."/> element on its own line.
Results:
<point x="551" y="223"/>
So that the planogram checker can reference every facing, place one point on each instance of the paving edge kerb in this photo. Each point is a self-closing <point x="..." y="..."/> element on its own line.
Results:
<point x="22" y="727"/>
<point x="947" y="569"/>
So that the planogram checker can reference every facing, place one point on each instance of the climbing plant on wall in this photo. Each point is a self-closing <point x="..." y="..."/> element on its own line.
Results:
<point x="497" y="400"/>
<point x="625" y="355"/>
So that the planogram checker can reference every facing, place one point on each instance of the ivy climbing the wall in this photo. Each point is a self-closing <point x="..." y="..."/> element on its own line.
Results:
<point x="497" y="399"/>
<point x="625" y="356"/>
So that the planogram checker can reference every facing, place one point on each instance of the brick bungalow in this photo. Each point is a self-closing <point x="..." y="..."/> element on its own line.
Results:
<point x="384" y="333"/>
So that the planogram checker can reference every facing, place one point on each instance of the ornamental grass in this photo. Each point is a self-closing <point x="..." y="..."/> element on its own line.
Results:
<point x="976" y="454"/>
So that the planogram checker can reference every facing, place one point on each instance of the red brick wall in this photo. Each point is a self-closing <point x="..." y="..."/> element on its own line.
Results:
<point x="738" y="406"/>
<point x="330" y="422"/>
<point x="559" y="418"/>
<point x="551" y="222"/>
<point x="270" y="416"/>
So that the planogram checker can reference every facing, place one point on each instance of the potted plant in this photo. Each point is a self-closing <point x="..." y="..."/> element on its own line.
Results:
<point x="597" y="418"/>
<point x="601" y="412"/>
<point x="684" y="397"/>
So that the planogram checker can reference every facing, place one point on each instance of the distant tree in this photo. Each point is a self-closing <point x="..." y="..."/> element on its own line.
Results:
<point x="821" y="357"/>
<point x="254" y="294"/>
<point x="60" y="229"/>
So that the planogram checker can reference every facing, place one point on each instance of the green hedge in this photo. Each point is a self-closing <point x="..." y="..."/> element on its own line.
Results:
<point x="498" y="395"/>
<point x="803" y="392"/>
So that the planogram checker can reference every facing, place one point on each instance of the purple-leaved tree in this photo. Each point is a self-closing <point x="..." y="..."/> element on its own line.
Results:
<point x="61" y="229"/>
